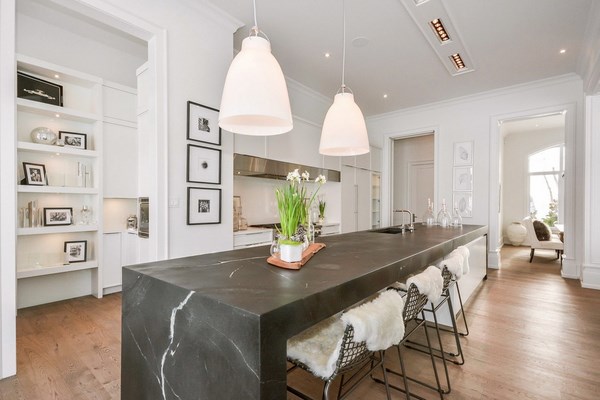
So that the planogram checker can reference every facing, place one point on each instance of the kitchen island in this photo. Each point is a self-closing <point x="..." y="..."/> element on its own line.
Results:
<point x="215" y="326"/>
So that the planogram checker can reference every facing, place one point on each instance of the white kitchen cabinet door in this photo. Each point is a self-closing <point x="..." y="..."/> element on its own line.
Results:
<point x="120" y="164"/>
<point x="376" y="154"/>
<point x="363" y="181"/>
<point x="349" y="200"/>
<point x="119" y="102"/>
<point x="250" y="145"/>
<point x="363" y="161"/>
<point x="112" y="260"/>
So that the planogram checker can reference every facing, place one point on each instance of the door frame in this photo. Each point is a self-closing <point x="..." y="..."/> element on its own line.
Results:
<point x="387" y="170"/>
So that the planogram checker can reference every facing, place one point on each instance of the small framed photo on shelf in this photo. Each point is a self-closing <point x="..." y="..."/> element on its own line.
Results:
<point x="203" y="124"/>
<point x="73" y="139"/>
<point x="463" y="178"/>
<point x="204" y="206"/>
<point x="463" y="153"/>
<point x="36" y="89"/>
<point x="203" y="164"/>
<point x="35" y="174"/>
<point x="55" y="216"/>
<point x="76" y="251"/>
<point x="464" y="202"/>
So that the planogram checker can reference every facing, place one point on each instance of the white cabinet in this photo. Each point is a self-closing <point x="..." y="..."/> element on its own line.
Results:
<point x="74" y="180"/>
<point x="330" y="228"/>
<point x="356" y="199"/>
<point x="252" y="237"/>
<point x="120" y="249"/>
<point x="250" y="145"/>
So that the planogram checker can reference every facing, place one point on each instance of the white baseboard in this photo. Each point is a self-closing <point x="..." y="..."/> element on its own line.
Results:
<point x="570" y="269"/>
<point x="113" y="289"/>
<point x="590" y="277"/>
<point x="494" y="259"/>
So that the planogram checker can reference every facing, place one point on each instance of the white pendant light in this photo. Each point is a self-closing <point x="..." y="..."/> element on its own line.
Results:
<point x="255" y="98"/>
<point x="344" y="130"/>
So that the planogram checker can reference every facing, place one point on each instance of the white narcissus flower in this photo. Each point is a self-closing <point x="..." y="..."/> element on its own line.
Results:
<point x="293" y="176"/>
<point x="305" y="175"/>
<point x="320" y="179"/>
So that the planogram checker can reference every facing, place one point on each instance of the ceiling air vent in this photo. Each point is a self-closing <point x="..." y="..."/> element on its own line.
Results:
<point x="439" y="30"/>
<point x="458" y="62"/>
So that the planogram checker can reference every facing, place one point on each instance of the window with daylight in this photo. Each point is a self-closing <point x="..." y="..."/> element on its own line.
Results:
<point x="546" y="184"/>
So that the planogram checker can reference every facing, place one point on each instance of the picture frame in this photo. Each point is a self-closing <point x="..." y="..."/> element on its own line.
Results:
<point x="74" y="139"/>
<point x="76" y="251"/>
<point x="463" y="179"/>
<point x="204" y="206"/>
<point x="36" y="89"/>
<point x="203" y="124"/>
<point x="464" y="202"/>
<point x="35" y="174"/>
<point x="57" y="216"/>
<point x="203" y="164"/>
<point x="463" y="153"/>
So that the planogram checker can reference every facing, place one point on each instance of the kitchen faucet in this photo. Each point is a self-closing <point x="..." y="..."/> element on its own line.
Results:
<point x="411" y="218"/>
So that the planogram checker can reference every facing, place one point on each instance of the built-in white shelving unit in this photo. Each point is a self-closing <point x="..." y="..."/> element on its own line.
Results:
<point x="40" y="249"/>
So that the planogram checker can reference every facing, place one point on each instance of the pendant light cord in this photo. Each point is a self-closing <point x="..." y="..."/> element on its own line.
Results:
<point x="344" y="46"/>
<point x="255" y="23"/>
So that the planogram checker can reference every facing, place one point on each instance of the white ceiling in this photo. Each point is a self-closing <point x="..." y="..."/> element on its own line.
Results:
<point x="509" y="42"/>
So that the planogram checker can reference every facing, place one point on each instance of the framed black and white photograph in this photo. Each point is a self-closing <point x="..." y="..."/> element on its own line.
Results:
<point x="203" y="164"/>
<point x="35" y="174"/>
<point x="463" y="153"/>
<point x="464" y="202"/>
<point x="204" y="206"/>
<point x="74" y="139"/>
<point x="463" y="178"/>
<point x="76" y="251"/>
<point x="54" y="216"/>
<point x="36" y="89"/>
<point x="203" y="124"/>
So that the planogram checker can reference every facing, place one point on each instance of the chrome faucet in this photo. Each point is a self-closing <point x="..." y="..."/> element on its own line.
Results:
<point x="411" y="218"/>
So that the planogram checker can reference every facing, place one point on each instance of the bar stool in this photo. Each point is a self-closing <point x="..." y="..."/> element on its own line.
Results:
<point x="430" y="283"/>
<point x="354" y="342"/>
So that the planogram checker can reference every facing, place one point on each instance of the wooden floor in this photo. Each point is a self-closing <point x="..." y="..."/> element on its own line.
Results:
<point x="533" y="335"/>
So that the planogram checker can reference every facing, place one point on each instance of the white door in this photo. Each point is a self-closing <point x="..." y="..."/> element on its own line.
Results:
<point x="420" y="187"/>
<point x="349" y="200"/>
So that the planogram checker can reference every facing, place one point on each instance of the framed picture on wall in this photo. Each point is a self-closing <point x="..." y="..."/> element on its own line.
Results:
<point x="36" y="89"/>
<point x="203" y="164"/>
<point x="463" y="153"/>
<point x="464" y="202"/>
<point x="204" y="206"/>
<point x="463" y="178"/>
<point x="76" y="251"/>
<point x="203" y="124"/>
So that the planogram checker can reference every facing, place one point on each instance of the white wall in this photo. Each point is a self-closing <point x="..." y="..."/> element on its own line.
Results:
<point x="591" y="227"/>
<point x="472" y="118"/>
<point x="517" y="148"/>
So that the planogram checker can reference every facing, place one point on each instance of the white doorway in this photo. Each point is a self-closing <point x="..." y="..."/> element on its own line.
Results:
<point x="413" y="175"/>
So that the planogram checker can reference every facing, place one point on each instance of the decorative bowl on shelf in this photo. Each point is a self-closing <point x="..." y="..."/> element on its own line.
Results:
<point x="43" y="135"/>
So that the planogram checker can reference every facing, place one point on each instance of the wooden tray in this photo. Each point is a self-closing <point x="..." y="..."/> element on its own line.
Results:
<point x="306" y="255"/>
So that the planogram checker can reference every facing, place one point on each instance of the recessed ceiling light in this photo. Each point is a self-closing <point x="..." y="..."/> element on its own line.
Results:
<point x="327" y="55"/>
<point x="385" y="95"/>
<point x="57" y="76"/>
<point x="439" y="30"/>
<point x="563" y="51"/>
<point x="360" y="41"/>
<point x="458" y="62"/>
<point x="57" y="115"/>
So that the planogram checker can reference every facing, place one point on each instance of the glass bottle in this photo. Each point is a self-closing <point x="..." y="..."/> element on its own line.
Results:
<point x="443" y="217"/>
<point x="428" y="217"/>
<point x="456" y="218"/>
<point x="85" y="215"/>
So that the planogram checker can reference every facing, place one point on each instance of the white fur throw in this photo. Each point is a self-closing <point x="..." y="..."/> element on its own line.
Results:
<point x="464" y="251"/>
<point x="429" y="283"/>
<point x="378" y="323"/>
<point x="318" y="347"/>
<point x="454" y="263"/>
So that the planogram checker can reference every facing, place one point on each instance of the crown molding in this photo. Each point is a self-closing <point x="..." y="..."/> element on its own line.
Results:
<point x="588" y="64"/>
<point x="303" y="89"/>
<point x="571" y="77"/>
<point x="215" y="14"/>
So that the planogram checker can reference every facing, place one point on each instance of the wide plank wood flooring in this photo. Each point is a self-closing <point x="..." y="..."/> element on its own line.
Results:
<point x="534" y="335"/>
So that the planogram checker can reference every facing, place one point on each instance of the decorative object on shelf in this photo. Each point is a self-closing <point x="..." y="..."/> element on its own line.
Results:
<point x="322" y="205"/>
<point x="464" y="202"/>
<point x="74" y="139"/>
<point x="33" y="215"/>
<point x="60" y="142"/>
<point x="443" y="218"/>
<point x="463" y="178"/>
<point x="203" y="124"/>
<point x="35" y="174"/>
<point x="43" y="135"/>
<point x="203" y="164"/>
<point x="85" y="215"/>
<point x="456" y="221"/>
<point x="36" y="89"/>
<point x="429" y="217"/>
<point x="463" y="153"/>
<point x="54" y="216"/>
<point x="204" y="206"/>
<point x="76" y="251"/>
<point x="344" y="129"/>
<point x="132" y="223"/>
<point x="255" y="98"/>
<point x="294" y="206"/>
<point x="516" y="233"/>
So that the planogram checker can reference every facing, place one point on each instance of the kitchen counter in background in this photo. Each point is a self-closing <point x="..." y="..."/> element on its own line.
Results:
<point x="216" y="325"/>
<point x="252" y="237"/>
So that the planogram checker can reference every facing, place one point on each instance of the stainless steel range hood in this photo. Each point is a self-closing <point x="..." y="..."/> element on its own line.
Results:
<point x="257" y="167"/>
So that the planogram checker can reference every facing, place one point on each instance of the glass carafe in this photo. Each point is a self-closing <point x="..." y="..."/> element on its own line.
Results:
<point x="443" y="218"/>
<point x="428" y="217"/>
<point x="456" y="218"/>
